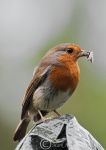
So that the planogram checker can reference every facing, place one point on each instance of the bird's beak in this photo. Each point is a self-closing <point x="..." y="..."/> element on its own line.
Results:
<point x="88" y="54"/>
<point x="84" y="53"/>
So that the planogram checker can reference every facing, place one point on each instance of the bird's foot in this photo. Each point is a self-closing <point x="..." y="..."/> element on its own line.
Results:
<point x="42" y="117"/>
<point x="56" y="112"/>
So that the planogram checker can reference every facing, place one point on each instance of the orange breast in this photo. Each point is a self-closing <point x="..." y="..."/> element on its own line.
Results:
<point x="65" y="77"/>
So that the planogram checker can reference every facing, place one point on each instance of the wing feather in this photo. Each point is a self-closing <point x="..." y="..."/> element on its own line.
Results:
<point x="38" y="78"/>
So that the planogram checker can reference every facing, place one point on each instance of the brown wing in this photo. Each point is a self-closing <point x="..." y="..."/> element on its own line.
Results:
<point x="38" y="78"/>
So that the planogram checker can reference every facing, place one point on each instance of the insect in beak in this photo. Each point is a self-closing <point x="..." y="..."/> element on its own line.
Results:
<point x="88" y="55"/>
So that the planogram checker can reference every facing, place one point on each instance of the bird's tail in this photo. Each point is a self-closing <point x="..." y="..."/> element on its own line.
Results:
<point x="21" y="130"/>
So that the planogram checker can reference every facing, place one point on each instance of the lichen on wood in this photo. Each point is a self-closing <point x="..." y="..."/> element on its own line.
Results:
<point x="62" y="133"/>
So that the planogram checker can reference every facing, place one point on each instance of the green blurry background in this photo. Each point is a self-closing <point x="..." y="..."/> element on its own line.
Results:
<point x="27" y="30"/>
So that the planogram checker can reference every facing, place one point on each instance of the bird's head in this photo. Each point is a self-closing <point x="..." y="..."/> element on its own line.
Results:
<point x="68" y="52"/>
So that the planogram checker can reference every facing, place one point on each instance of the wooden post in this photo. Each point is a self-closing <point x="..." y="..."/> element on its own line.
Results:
<point x="62" y="133"/>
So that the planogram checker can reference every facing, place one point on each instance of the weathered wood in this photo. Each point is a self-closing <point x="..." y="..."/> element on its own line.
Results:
<point x="62" y="133"/>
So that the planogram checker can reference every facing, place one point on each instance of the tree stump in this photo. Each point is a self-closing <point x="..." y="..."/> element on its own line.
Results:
<point x="62" y="133"/>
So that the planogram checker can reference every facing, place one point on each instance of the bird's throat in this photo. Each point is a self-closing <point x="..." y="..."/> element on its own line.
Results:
<point x="65" y="77"/>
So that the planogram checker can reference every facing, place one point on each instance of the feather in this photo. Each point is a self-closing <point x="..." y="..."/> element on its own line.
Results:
<point x="39" y="77"/>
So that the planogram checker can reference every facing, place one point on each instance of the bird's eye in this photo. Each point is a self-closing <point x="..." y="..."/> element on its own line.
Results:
<point x="69" y="50"/>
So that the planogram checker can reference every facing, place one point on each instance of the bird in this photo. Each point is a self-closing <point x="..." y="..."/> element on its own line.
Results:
<point x="53" y="82"/>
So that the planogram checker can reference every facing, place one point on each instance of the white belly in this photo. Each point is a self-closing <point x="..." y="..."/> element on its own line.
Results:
<point x="45" y="99"/>
<point x="58" y="100"/>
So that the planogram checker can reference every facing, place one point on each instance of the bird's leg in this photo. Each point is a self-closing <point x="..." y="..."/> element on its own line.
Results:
<point x="42" y="118"/>
<point x="45" y="119"/>
<point x="56" y="112"/>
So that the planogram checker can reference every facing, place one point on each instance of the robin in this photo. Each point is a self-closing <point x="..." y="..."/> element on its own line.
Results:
<point x="54" y="81"/>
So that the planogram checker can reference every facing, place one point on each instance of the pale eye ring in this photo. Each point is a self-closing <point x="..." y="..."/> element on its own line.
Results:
<point x="69" y="50"/>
